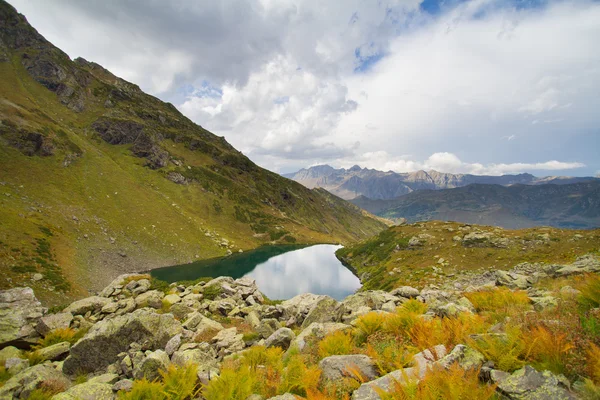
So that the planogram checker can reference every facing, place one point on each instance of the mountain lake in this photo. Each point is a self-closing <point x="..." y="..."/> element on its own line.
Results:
<point x="281" y="271"/>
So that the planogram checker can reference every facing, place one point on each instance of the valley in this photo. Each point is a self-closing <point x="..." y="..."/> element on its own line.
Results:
<point x="143" y="257"/>
<point x="98" y="178"/>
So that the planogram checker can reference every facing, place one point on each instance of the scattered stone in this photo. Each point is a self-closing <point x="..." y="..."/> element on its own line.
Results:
<point x="9" y="352"/>
<point x="405" y="291"/>
<point x="337" y="367"/>
<point x="89" y="304"/>
<point x="56" y="352"/>
<point x="87" y="391"/>
<point x="151" y="365"/>
<point x="20" y="312"/>
<point x="172" y="298"/>
<point x="124" y="384"/>
<point x="280" y="338"/>
<point x="529" y="384"/>
<point x="51" y="322"/>
<point x="152" y="298"/>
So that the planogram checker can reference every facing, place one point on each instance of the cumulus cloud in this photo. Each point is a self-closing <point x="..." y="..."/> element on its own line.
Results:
<point x="292" y="83"/>
<point x="448" y="162"/>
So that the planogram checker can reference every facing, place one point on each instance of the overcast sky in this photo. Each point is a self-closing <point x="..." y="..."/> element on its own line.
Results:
<point x="478" y="86"/>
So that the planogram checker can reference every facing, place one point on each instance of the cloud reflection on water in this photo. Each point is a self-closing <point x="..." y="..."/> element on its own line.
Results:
<point x="313" y="269"/>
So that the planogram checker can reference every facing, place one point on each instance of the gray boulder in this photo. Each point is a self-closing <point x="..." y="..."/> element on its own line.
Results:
<point x="199" y="323"/>
<point x="89" y="304"/>
<point x="151" y="365"/>
<point x="338" y="367"/>
<point x="369" y="390"/>
<point x="228" y="341"/>
<point x="285" y="396"/>
<point x="124" y="384"/>
<point x="513" y="280"/>
<point x="9" y="352"/>
<point x="58" y="351"/>
<point x="20" y="312"/>
<point x="51" y="322"/>
<point x="105" y="340"/>
<point x="406" y="292"/>
<point x="318" y="330"/>
<point x="529" y="384"/>
<point x="87" y="391"/>
<point x="325" y="310"/>
<point x="282" y="338"/>
<point x="203" y="356"/>
<point x="21" y="385"/>
<point x="152" y="298"/>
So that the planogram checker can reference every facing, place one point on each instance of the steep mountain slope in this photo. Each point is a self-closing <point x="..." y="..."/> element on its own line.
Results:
<point x="575" y="205"/>
<point x="98" y="178"/>
<point x="379" y="185"/>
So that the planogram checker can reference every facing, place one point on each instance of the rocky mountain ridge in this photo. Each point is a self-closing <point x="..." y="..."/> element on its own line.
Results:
<point x="575" y="206"/>
<point x="98" y="178"/>
<point x="380" y="185"/>
<point x="133" y="330"/>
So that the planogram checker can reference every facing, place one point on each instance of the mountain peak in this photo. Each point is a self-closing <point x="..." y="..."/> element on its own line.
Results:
<point x="355" y="168"/>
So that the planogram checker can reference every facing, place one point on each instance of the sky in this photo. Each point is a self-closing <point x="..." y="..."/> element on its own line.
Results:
<point x="480" y="86"/>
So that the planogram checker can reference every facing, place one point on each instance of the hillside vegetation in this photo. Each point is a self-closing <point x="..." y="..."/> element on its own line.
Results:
<point x="505" y="336"/>
<point x="98" y="178"/>
<point x="435" y="252"/>
<point x="575" y="205"/>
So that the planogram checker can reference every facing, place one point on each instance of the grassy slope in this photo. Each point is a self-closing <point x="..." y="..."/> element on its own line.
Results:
<point x="389" y="262"/>
<point x="107" y="202"/>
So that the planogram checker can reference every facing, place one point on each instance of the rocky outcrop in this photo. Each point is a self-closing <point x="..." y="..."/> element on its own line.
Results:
<point x="116" y="131"/>
<point x="20" y="312"/>
<point x="529" y="384"/>
<point x="22" y="384"/>
<point x="102" y="344"/>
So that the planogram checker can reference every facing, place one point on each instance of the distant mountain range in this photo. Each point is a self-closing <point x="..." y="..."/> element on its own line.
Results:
<point x="575" y="205"/>
<point x="379" y="185"/>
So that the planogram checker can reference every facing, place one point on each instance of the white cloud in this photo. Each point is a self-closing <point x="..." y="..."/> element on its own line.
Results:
<point x="278" y="79"/>
<point x="448" y="162"/>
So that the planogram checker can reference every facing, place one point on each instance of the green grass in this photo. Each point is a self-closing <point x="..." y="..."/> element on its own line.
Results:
<point x="389" y="262"/>
<point x="112" y="194"/>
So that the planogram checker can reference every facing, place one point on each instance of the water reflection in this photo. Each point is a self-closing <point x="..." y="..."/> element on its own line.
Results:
<point x="281" y="272"/>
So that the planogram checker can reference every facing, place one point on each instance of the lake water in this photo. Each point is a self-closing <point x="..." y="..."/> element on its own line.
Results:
<point x="281" y="272"/>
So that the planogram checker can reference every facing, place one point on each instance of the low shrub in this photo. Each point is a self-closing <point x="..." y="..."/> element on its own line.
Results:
<point x="507" y="351"/>
<point x="549" y="349"/>
<point x="180" y="383"/>
<point x="260" y="355"/>
<point x="593" y="362"/>
<point x="58" y="336"/>
<point x="232" y="384"/>
<point x="174" y="384"/>
<point x="369" y="324"/>
<point x="144" y="390"/>
<point x="454" y="383"/>
<point x="389" y="353"/>
<point x="499" y="302"/>
<point x="336" y="344"/>
<point x="590" y="292"/>
<point x="211" y="292"/>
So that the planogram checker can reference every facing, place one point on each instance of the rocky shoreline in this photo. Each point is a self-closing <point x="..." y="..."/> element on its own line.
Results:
<point x="131" y="330"/>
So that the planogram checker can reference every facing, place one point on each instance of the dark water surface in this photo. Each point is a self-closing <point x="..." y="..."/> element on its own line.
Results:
<point x="281" y="271"/>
